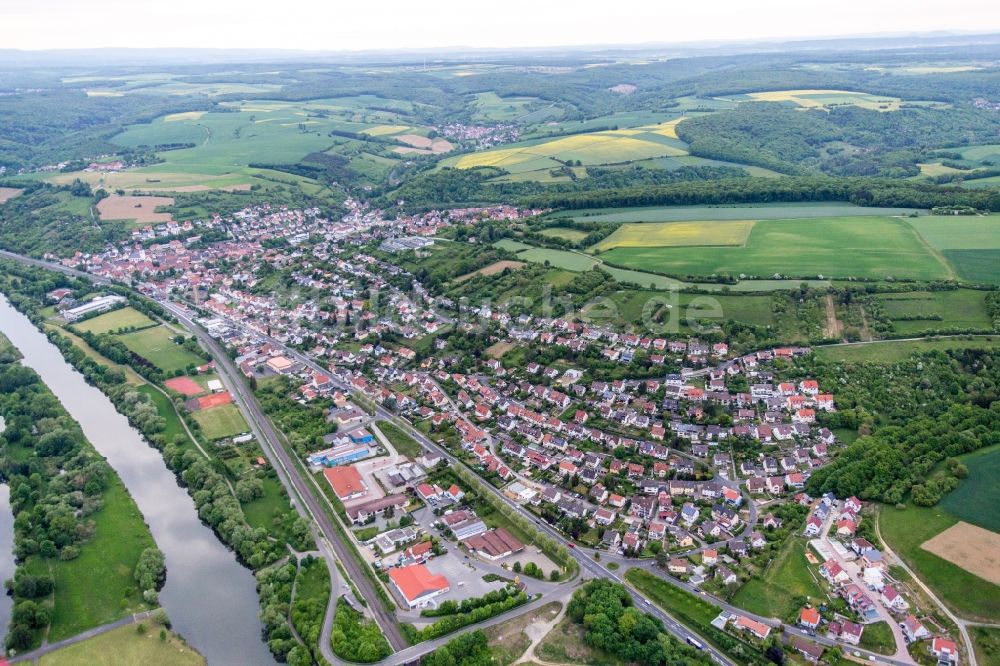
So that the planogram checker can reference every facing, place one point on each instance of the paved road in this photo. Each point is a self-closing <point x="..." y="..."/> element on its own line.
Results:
<point x="963" y="626"/>
<point x="282" y="462"/>
<point x="66" y="642"/>
<point x="587" y="564"/>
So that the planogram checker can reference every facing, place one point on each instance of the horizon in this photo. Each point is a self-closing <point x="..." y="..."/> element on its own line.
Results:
<point x="450" y="25"/>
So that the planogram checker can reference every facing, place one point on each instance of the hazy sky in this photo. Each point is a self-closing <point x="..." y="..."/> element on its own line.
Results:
<point x="387" y="24"/>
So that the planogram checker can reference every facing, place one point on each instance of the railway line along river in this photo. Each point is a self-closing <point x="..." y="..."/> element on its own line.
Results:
<point x="210" y="598"/>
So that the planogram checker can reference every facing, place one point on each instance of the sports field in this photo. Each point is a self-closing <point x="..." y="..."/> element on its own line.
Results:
<point x="156" y="345"/>
<point x="839" y="247"/>
<point x="677" y="234"/>
<point x="220" y="422"/>
<point x="112" y="321"/>
<point x="184" y="385"/>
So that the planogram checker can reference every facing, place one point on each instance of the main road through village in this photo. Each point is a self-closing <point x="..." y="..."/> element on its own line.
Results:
<point x="330" y="538"/>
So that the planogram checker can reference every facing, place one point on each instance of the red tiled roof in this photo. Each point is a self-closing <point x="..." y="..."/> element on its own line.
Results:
<point x="416" y="581"/>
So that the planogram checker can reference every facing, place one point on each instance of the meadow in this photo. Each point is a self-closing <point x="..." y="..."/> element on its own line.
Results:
<point x="572" y="235"/>
<point x="914" y="312"/>
<point x="112" y="321"/>
<point x="677" y="234"/>
<point x="157" y="346"/>
<point x="220" y="422"/>
<point x="786" y="580"/>
<point x="839" y="246"/>
<point x="98" y="586"/>
<point x="893" y="351"/>
<point x="124" y="646"/>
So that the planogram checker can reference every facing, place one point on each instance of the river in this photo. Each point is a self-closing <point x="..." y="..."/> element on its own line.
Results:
<point x="210" y="598"/>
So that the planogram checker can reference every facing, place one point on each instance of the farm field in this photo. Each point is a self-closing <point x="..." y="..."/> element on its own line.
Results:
<point x="892" y="351"/>
<point x="677" y="234"/>
<point x="970" y="244"/>
<point x="970" y="547"/>
<point x="959" y="232"/>
<point x="824" y="99"/>
<point x="783" y="211"/>
<point x="577" y="262"/>
<point x="492" y="269"/>
<point x="124" y="646"/>
<point x="8" y="193"/>
<point x="220" y="422"/>
<point x="786" y="579"/>
<point x="838" y="246"/>
<point x="977" y="498"/>
<point x="141" y="210"/>
<point x="157" y="346"/>
<point x="126" y="317"/>
<point x="604" y="147"/>
<point x="906" y="530"/>
<point x="913" y="312"/>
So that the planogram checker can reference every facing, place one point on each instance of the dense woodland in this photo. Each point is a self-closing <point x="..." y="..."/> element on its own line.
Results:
<point x="844" y="141"/>
<point x="957" y="397"/>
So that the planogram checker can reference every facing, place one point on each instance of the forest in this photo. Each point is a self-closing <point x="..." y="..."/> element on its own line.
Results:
<point x="956" y="396"/>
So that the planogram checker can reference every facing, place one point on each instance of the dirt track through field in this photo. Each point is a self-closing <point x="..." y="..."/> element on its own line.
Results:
<point x="972" y="548"/>
<point x="834" y="327"/>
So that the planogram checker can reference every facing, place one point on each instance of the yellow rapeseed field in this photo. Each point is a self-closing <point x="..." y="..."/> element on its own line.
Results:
<point x="678" y="234"/>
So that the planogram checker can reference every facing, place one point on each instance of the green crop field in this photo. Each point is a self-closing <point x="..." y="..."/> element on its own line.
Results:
<point x="677" y="234"/>
<point x="783" y="211"/>
<point x="786" y="580"/>
<point x="157" y="346"/>
<point x="892" y="351"/>
<point x="917" y="311"/>
<point x="220" y="422"/>
<point x="840" y="246"/>
<point x="959" y="232"/>
<point x="977" y="498"/>
<point x="112" y="321"/>
<point x="987" y="643"/>
<point x="905" y="530"/>
<point x="975" y="265"/>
